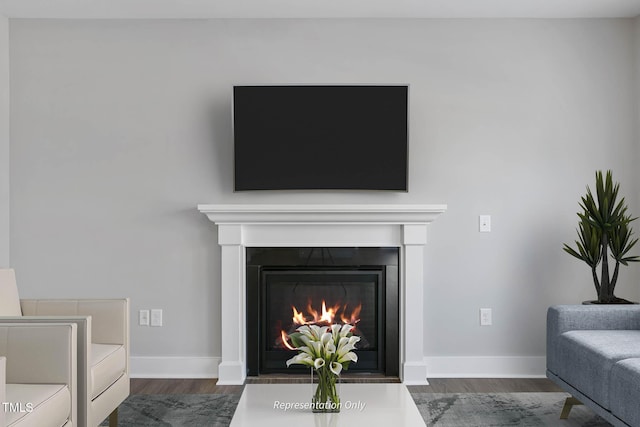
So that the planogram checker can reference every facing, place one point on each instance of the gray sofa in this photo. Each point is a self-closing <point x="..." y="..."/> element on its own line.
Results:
<point x="593" y="353"/>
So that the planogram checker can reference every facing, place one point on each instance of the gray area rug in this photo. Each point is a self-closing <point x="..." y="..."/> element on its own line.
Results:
<point x="145" y="410"/>
<point x="501" y="410"/>
<point x="437" y="409"/>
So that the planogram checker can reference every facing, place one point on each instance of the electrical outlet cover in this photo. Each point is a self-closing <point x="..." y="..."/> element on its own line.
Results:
<point x="143" y="318"/>
<point x="485" y="317"/>
<point x="156" y="317"/>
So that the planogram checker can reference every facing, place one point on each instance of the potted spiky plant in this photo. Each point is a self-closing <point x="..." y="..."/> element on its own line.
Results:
<point x="604" y="228"/>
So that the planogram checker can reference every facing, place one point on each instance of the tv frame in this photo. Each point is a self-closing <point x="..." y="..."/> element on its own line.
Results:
<point x="328" y="190"/>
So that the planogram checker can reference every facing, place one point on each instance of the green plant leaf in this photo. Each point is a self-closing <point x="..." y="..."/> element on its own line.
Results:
<point x="604" y="225"/>
<point x="295" y="339"/>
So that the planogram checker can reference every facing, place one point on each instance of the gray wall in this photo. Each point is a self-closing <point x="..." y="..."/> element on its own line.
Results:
<point x="637" y="57"/>
<point x="120" y="128"/>
<point x="4" y="142"/>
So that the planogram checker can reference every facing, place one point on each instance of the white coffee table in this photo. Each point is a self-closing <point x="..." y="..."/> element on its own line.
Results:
<point x="266" y="405"/>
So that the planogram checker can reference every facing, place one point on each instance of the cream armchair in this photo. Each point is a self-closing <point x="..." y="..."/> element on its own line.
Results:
<point x="103" y="346"/>
<point x="38" y="383"/>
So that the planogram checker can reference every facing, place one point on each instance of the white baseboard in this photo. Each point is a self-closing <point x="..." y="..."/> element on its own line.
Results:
<point x="437" y="367"/>
<point x="486" y="367"/>
<point x="174" y="367"/>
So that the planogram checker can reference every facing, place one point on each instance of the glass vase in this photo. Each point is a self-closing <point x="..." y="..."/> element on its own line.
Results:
<point x="326" y="390"/>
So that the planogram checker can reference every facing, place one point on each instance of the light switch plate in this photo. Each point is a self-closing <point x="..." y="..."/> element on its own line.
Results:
<point x="485" y="223"/>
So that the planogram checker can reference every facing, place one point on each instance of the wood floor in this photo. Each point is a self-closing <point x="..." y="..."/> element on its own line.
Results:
<point x="436" y="385"/>
<point x="181" y="386"/>
<point x="486" y="385"/>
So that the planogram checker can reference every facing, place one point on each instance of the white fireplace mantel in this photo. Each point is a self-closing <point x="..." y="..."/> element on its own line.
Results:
<point x="317" y="214"/>
<point x="242" y="226"/>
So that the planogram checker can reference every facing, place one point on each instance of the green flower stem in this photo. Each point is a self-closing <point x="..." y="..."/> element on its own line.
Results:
<point x="326" y="393"/>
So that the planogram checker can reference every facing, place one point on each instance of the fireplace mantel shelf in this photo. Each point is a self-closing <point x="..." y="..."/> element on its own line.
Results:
<point x="315" y="214"/>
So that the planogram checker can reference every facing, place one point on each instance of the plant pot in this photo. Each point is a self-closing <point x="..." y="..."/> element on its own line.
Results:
<point x="617" y="301"/>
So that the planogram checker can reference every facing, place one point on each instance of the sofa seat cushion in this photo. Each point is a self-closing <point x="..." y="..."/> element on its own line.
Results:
<point x="589" y="356"/>
<point x="624" y="391"/>
<point x="108" y="363"/>
<point x="38" y="405"/>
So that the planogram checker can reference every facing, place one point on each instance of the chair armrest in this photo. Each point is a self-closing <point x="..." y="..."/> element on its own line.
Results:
<point x="83" y="324"/>
<point x="41" y="354"/>
<point x="83" y="332"/>
<point x="3" y="389"/>
<point x="563" y="318"/>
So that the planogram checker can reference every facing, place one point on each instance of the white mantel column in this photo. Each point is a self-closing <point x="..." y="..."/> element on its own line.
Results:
<point x="414" y="368"/>
<point x="233" y="368"/>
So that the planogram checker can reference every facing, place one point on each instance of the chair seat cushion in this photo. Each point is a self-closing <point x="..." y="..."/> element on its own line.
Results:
<point x="108" y="363"/>
<point x="589" y="357"/>
<point x="39" y="405"/>
<point x="624" y="391"/>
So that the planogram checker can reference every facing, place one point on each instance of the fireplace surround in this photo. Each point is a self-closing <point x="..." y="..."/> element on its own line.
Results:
<point x="322" y="226"/>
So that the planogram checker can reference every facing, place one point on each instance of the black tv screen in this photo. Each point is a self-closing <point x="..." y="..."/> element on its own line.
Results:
<point x="320" y="137"/>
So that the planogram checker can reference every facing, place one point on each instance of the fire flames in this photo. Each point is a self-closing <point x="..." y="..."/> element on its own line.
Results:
<point x="285" y="340"/>
<point x="326" y="316"/>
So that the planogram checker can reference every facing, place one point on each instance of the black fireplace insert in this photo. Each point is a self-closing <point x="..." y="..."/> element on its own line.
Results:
<point x="290" y="287"/>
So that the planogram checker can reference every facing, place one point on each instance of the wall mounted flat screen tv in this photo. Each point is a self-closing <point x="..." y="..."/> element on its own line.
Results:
<point x="320" y="137"/>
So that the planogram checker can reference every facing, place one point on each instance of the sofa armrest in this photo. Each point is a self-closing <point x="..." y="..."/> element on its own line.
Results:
<point x="41" y="354"/>
<point x="563" y="318"/>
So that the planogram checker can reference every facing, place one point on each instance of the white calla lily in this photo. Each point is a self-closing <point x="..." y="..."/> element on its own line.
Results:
<point x="348" y="357"/>
<point x="353" y="340"/>
<point x="306" y="350"/>
<point x="330" y="348"/>
<point x="344" y="347"/>
<point x="342" y="342"/>
<point x="335" y="331"/>
<point x="335" y="367"/>
<point x="300" y="359"/>
<point x="346" y="328"/>
<point x="317" y="331"/>
<point x="319" y="363"/>
<point x="306" y="340"/>
<point x="316" y="349"/>
<point x="305" y="331"/>
<point x="326" y="338"/>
